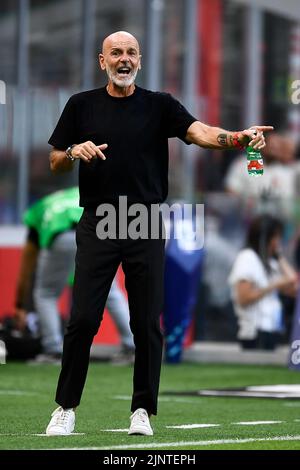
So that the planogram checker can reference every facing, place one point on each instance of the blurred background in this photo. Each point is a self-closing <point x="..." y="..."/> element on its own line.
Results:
<point x="231" y="62"/>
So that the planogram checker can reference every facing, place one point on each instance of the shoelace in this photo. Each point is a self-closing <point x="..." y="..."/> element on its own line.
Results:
<point x="141" y="416"/>
<point x="62" y="417"/>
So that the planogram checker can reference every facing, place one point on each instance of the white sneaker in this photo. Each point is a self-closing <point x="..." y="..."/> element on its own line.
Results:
<point x="123" y="357"/>
<point x="140" y="423"/>
<point x="62" y="422"/>
<point x="45" y="359"/>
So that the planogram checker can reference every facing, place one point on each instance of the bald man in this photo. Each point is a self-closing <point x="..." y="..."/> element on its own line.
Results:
<point x="119" y="134"/>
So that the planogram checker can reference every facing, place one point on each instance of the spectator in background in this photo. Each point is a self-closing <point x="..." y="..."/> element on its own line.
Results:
<point x="49" y="252"/>
<point x="215" y="305"/>
<point x="259" y="273"/>
<point x="276" y="190"/>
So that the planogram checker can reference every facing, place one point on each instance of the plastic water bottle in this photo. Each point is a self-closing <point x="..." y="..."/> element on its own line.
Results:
<point x="255" y="162"/>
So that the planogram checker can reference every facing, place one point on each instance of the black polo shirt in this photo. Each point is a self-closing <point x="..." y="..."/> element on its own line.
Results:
<point x="136" y="129"/>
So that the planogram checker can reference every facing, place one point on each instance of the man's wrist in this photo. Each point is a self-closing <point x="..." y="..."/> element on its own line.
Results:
<point x="69" y="153"/>
<point x="239" y="141"/>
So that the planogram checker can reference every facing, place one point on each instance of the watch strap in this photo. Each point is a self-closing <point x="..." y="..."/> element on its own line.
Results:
<point x="69" y="153"/>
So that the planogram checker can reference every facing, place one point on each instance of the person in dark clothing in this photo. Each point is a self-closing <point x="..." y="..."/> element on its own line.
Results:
<point x="119" y="133"/>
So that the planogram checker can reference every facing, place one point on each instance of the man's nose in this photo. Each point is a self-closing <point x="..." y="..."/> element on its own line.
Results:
<point x="124" y="58"/>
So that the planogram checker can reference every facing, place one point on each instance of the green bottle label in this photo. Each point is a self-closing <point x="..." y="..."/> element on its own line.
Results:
<point x="255" y="162"/>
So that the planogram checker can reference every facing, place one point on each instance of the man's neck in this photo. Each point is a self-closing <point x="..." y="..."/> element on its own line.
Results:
<point x="119" y="92"/>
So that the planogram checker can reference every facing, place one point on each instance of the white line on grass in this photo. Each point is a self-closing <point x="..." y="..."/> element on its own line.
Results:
<point x="194" y="401"/>
<point x="187" y="443"/>
<point x="162" y="399"/>
<point x="16" y="392"/>
<point x="114" y="430"/>
<point x="40" y="435"/>
<point x="47" y="435"/>
<point x="122" y="397"/>
<point x="192" y="426"/>
<point x="255" y="423"/>
<point x="182" y="426"/>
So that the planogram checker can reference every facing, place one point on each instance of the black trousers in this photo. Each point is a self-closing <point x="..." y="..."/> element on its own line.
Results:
<point x="96" y="264"/>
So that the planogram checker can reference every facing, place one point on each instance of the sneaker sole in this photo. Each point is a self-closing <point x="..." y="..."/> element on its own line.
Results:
<point x="57" y="434"/>
<point x="54" y="433"/>
<point x="140" y="431"/>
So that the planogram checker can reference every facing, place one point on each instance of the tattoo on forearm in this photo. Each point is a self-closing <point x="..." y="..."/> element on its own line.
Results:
<point x="231" y="141"/>
<point x="222" y="139"/>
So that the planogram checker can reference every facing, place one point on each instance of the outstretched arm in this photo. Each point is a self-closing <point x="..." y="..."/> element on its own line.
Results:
<point x="216" y="138"/>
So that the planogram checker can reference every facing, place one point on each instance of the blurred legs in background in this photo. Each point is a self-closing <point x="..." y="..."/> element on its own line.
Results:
<point x="53" y="268"/>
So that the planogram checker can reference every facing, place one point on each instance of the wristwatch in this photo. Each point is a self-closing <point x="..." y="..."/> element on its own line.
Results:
<point x="69" y="153"/>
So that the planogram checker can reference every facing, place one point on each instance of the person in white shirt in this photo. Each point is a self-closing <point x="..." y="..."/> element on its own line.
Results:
<point x="276" y="190"/>
<point x="258" y="274"/>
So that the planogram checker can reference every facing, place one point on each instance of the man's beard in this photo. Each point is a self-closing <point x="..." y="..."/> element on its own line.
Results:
<point x="121" y="82"/>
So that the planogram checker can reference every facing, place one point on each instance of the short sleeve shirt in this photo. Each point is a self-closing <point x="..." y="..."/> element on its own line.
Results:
<point x="136" y="129"/>
<point x="265" y="313"/>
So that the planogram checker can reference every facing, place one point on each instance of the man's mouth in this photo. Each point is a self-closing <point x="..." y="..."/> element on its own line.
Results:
<point x="123" y="70"/>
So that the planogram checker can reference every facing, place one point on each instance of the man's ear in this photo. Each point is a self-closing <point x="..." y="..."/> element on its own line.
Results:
<point x="101" y="61"/>
<point x="140" y="63"/>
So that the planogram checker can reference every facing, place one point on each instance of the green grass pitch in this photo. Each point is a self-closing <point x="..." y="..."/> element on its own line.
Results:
<point x="26" y="402"/>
